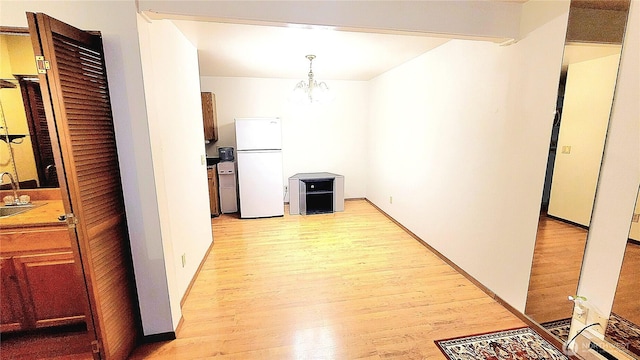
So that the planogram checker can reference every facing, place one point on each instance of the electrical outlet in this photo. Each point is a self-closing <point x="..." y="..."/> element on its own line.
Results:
<point x="203" y="159"/>
<point x="597" y="318"/>
<point x="184" y="260"/>
<point x="581" y="311"/>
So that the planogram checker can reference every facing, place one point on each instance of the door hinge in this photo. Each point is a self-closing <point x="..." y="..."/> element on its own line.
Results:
<point x="95" y="348"/>
<point x="72" y="221"/>
<point x="42" y="65"/>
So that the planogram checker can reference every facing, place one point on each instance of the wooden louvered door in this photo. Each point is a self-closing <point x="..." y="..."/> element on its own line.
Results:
<point x="76" y="99"/>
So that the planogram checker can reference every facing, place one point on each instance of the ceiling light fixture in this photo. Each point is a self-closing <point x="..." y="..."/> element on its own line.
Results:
<point x="310" y="90"/>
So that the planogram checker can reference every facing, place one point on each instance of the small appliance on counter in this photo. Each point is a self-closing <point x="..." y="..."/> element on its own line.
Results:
<point x="226" y="154"/>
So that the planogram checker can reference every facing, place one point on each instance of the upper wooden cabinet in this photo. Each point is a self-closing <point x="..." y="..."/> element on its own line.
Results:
<point x="209" y="116"/>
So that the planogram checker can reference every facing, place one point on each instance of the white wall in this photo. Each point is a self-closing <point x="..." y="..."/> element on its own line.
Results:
<point x="619" y="179"/>
<point x="122" y="57"/>
<point x="585" y="115"/>
<point x="172" y="84"/>
<point x="470" y="125"/>
<point x="321" y="137"/>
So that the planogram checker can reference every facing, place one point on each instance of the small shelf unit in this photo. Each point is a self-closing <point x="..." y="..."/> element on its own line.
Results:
<point x="316" y="193"/>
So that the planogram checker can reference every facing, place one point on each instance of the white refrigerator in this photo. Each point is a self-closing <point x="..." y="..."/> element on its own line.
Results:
<point x="259" y="159"/>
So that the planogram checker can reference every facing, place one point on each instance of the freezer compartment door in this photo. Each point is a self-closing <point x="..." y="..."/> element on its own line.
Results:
<point x="258" y="134"/>
<point x="260" y="183"/>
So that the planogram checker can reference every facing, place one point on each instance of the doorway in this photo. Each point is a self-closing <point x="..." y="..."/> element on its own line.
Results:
<point x="36" y="326"/>
<point x="75" y="92"/>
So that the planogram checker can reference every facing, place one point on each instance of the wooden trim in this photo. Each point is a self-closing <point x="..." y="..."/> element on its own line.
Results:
<point x="567" y="221"/>
<point x="167" y="336"/>
<point x="437" y="253"/>
<point x="354" y="199"/>
<point x="195" y="276"/>
<point x="634" y="242"/>
<point x="180" y="324"/>
<point x="14" y="30"/>
<point x="37" y="194"/>
<point x="532" y="324"/>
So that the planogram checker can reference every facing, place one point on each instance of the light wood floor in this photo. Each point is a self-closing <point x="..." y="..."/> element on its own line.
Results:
<point x="349" y="285"/>
<point x="626" y="303"/>
<point x="557" y="259"/>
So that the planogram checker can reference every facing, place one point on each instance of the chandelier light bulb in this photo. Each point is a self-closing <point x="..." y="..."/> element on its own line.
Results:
<point x="310" y="91"/>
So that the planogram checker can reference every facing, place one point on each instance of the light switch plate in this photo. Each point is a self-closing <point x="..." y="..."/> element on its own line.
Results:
<point x="203" y="159"/>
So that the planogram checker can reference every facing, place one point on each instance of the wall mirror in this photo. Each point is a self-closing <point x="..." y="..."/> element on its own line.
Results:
<point x="585" y="94"/>
<point x="623" y="328"/>
<point x="25" y="146"/>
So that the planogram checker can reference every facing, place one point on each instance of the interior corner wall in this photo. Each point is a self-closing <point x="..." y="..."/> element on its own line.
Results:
<point x="315" y="138"/>
<point x="124" y="71"/>
<point x="585" y="115"/>
<point x="469" y="124"/>
<point x="172" y="86"/>
<point x="619" y="179"/>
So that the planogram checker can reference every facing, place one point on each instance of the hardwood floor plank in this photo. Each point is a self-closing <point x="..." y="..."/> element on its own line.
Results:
<point x="349" y="285"/>
<point x="555" y="271"/>
<point x="626" y="302"/>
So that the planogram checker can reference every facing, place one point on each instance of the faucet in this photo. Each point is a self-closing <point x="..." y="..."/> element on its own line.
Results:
<point x="14" y="186"/>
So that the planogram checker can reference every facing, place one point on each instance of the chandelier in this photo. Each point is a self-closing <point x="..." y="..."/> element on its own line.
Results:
<point x="310" y="90"/>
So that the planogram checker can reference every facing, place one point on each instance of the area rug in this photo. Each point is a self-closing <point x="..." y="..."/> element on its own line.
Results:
<point x="522" y="343"/>
<point x="559" y="328"/>
<point x="623" y="333"/>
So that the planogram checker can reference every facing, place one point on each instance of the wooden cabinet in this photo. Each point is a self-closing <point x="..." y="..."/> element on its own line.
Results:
<point x="214" y="201"/>
<point x="11" y="316"/>
<point x="51" y="289"/>
<point x="40" y="283"/>
<point x="209" y="116"/>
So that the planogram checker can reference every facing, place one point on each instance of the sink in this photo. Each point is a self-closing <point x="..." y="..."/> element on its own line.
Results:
<point x="16" y="209"/>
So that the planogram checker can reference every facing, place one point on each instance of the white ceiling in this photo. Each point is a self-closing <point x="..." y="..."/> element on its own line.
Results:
<point x="239" y="50"/>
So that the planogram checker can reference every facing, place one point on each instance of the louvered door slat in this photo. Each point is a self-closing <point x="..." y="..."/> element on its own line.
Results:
<point x="79" y="101"/>
<point x="89" y="65"/>
<point x="82" y="75"/>
<point x="80" y="96"/>
<point x="74" y="79"/>
<point x="95" y="100"/>
<point x="69" y="53"/>
<point x="84" y="124"/>
<point x="76" y="94"/>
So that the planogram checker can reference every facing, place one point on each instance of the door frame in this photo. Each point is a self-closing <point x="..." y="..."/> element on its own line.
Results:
<point x="64" y="193"/>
